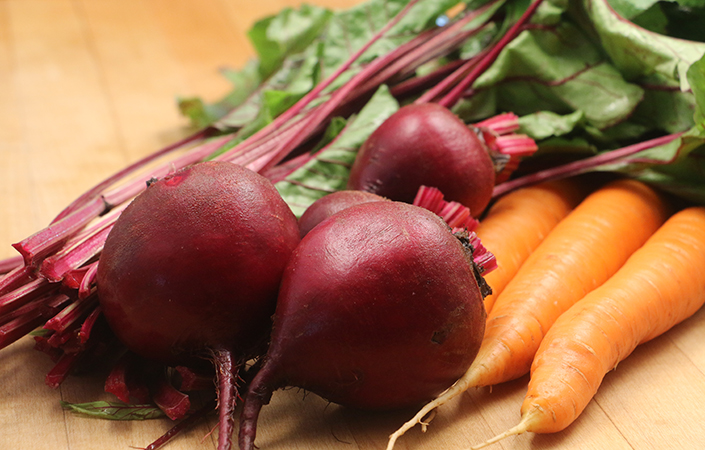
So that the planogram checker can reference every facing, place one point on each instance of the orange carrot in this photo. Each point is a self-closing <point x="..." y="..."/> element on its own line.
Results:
<point x="658" y="287"/>
<point x="517" y="223"/>
<point x="578" y="255"/>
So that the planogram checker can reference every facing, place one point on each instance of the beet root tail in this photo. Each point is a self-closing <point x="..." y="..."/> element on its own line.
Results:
<point x="227" y="371"/>
<point x="258" y="394"/>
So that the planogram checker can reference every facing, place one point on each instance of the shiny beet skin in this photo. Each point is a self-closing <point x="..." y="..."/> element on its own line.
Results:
<point x="379" y="309"/>
<point x="428" y="145"/>
<point x="194" y="264"/>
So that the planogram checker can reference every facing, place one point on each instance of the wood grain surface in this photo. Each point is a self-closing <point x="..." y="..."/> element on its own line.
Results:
<point x="87" y="86"/>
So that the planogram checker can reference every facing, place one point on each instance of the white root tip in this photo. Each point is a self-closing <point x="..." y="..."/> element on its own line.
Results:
<point x="427" y="422"/>
<point x="518" y="429"/>
<point x="458" y="388"/>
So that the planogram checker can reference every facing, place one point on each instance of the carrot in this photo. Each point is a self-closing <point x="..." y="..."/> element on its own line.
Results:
<point x="658" y="287"/>
<point x="578" y="255"/>
<point x="517" y="223"/>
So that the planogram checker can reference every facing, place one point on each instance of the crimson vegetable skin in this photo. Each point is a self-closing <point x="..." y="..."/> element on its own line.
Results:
<point x="379" y="309"/>
<point x="191" y="270"/>
<point x="425" y="144"/>
<point x="330" y="204"/>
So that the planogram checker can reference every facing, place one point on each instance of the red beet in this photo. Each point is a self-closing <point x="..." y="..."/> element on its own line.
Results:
<point x="379" y="308"/>
<point x="330" y="204"/>
<point x="192" y="268"/>
<point x="425" y="144"/>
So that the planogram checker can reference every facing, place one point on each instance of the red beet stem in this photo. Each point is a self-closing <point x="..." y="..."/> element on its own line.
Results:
<point x="581" y="166"/>
<point x="173" y="402"/>
<point x="181" y="426"/>
<point x="458" y="91"/>
<point x="9" y="264"/>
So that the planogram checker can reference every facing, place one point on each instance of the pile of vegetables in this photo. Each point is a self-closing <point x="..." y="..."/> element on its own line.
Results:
<point x="486" y="115"/>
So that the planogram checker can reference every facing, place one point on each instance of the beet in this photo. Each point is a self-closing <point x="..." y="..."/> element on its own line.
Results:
<point x="379" y="309"/>
<point x="332" y="203"/>
<point x="425" y="144"/>
<point x="191" y="270"/>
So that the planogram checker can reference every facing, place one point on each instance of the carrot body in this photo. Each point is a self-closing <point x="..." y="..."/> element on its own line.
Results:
<point x="658" y="287"/>
<point x="517" y="223"/>
<point x="578" y="255"/>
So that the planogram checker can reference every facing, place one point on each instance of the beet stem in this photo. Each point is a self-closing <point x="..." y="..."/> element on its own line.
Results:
<point x="457" y="92"/>
<point x="188" y="422"/>
<point x="100" y="187"/>
<point x="581" y="166"/>
<point x="9" y="264"/>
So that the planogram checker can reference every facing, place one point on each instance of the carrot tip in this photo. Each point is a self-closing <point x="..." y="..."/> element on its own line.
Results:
<point x="518" y="429"/>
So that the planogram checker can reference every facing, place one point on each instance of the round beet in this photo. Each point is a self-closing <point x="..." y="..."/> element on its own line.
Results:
<point x="332" y="203"/>
<point x="379" y="309"/>
<point x="192" y="267"/>
<point x="425" y="144"/>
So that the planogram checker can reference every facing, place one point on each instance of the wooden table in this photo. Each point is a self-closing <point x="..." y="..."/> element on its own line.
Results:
<point x="87" y="86"/>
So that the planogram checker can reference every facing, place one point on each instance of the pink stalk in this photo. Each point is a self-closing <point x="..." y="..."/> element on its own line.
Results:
<point x="96" y="190"/>
<point x="316" y="91"/>
<point x="16" y="278"/>
<point x="173" y="402"/>
<point x="446" y="84"/>
<point x="42" y="243"/>
<point x="72" y="279"/>
<point x="482" y="257"/>
<point x="70" y="315"/>
<point x="458" y="91"/>
<point x="190" y="380"/>
<point x="9" y="264"/>
<point x="515" y="145"/>
<point x="181" y="426"/>
<point x="581" y="166"/>
<point x="88" y="280"/>
<point x="503" y="123"/>
<point x="116" y="381"/>
<point x="353" y="86"/>
<point x="56" y="266"/>
<point x="421" y="83"/>
<point x="454" y="214"/>
<point x="18" y="327"/>
<point x="61" y="370"/>
<point x="23" y="294"/>
<point x="123" y="193"/>
<point x="432" y="44"/>
<point x="122" y="381"/>
<point x="87" y="326"/>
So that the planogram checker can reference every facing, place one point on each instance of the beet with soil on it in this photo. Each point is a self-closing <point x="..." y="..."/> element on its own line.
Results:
<point x="379" y="309"/>
<point x="191" y="271"/>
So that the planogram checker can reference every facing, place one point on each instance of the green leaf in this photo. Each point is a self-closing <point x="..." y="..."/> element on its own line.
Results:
<point x="328" y="172"/>
<point x="559" y="70"/>
<point x="297" y="76"/>
<point x="631" y="8"/>
<point x="640" y="54"/>
<point x="696" y="78"/>
<point x="244" y="81"/>
<point x="544" y="124"/>
<point x="352" y="28"/>
<point x="290" y="31"/>
<point x="677" y="167"/>
<point x="114" y="410"/>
